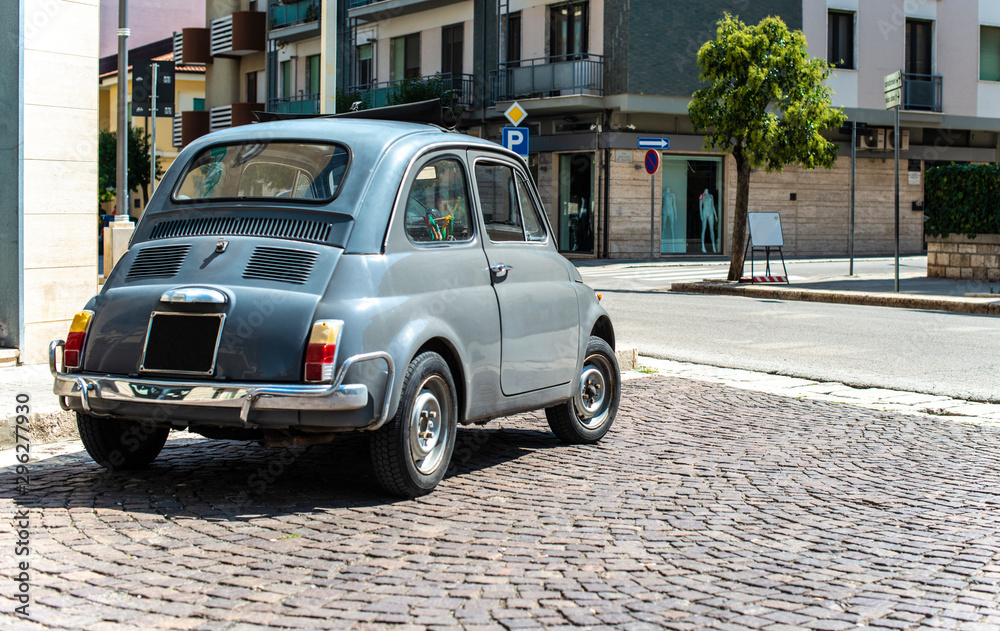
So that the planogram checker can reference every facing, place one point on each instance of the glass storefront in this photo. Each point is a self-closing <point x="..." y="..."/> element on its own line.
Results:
<point x="691" y="205"/>
<point x="576" y="202"/>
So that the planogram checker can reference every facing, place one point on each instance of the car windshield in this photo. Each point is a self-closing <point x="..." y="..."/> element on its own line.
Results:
<point x="265" y="170"/>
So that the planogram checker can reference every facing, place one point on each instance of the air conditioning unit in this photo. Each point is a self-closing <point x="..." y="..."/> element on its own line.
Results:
<point x="873" y="139"/>
<point x="890" y="139"/>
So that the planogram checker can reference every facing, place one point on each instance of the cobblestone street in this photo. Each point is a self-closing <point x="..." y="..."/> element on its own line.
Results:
<point x="705" y="507"/>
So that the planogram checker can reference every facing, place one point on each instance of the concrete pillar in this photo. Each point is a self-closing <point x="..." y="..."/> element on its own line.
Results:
<point x="117" y="236"/>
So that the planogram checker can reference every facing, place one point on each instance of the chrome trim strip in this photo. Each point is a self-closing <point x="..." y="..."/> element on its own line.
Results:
<point x="245" y="396"/>
<point x="194" y="295"/>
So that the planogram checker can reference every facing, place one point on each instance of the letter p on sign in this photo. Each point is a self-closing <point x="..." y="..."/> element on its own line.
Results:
<point x="516" y="139"/>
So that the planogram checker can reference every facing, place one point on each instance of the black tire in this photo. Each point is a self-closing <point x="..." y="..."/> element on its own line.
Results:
<point x="411" y="453"/>
<point x="588" y="416"/>
<point x="119" y="444"/>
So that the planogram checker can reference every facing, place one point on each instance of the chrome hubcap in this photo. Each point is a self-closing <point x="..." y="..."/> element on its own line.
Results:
<point x="593" y="401"/>
<point x="428" y="425"/>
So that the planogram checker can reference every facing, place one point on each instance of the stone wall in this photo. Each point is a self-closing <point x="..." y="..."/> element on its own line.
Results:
<point x="958" y="256"/>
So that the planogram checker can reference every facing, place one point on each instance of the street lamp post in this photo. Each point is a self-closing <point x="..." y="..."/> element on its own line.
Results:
<point x="122" y="174"/>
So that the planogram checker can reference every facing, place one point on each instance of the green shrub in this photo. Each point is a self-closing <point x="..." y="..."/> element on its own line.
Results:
<point x="962" y="199"/>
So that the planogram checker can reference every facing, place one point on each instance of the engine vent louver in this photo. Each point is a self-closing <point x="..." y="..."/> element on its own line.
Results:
<point x="295" y="229"/>
<point x="280" y="264"/>
<point x="162" y="261"/>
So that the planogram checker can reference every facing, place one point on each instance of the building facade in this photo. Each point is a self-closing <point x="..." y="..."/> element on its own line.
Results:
<point x="595" y="76"/>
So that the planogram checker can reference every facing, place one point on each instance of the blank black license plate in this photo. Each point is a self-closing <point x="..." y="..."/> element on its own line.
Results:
<point x="182" y="343"/>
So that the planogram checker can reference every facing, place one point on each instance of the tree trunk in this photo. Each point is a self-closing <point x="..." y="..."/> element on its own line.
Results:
<point x="739" y="240"/>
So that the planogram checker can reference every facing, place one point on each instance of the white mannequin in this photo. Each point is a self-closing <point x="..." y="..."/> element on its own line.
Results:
<point x="706" y="206"/>
<point x="668" y="214"/>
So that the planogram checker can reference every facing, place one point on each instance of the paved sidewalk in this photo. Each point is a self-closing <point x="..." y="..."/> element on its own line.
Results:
<point x="916" y="291"/>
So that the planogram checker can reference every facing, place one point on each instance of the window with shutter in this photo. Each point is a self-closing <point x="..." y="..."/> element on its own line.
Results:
<point x="989" y="53"/>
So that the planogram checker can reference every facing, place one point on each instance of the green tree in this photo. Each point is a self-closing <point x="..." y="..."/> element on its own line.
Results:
<point x="138" y="164"/>
<point x="765" y="104"/>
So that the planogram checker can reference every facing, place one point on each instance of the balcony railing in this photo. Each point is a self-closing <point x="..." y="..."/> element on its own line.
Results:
<point x="300" y="104"/>
<point x="580" y="73"/>
<point x="283" y="15"/>
<point x="922" y="92"/>
<point x="459" y="86"/>
<point x="361" y="3"/>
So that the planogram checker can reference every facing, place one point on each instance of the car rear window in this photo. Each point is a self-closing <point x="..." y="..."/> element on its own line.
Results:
<point x="265" y="170"/>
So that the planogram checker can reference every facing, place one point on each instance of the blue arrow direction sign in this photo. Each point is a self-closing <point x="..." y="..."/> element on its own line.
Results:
<point x="654" y="143"/>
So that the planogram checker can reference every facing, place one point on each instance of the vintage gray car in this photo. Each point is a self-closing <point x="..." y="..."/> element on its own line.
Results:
<point x="294" y="280"/>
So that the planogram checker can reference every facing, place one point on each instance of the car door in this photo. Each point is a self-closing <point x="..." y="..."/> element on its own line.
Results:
<point x="539" y="311"/>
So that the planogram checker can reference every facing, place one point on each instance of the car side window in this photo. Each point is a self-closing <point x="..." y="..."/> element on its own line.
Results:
<point x="437" y="207"/>
<point x="498" y="196"/>
<point x="534" y="227"/>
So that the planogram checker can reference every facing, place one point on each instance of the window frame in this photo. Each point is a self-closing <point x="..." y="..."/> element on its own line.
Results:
<point x="996" y="29"/>
<point x="191" y="165"/>
<point x="850" y="63"/>
<point x="411" y="181"/>
<point x="520" y="180"/>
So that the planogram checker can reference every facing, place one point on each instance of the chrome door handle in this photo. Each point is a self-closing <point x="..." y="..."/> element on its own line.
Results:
<point x="500" y="269"/>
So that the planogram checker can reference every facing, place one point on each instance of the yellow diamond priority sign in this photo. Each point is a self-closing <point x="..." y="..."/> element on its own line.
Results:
<point x="515" y="114"/>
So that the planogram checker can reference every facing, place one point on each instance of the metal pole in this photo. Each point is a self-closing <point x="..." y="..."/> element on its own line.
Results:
<point x="854" y="140"/>
<point x="122" y="174"/>
<point x="896" y="142"/>
<point x="152" y="147"/>
<point x="652" y="215"/>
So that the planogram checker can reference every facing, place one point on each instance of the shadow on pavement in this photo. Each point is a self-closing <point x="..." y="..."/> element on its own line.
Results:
<point x="231" y="480"/>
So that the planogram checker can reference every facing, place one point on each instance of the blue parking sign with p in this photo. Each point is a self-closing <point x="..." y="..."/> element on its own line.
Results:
<point x="516" y="139"/>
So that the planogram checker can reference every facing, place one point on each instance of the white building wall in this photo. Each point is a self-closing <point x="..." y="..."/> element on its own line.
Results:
<point x="60" y="167"/>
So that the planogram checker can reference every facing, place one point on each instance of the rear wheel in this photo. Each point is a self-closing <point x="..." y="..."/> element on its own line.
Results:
<point x="588" y="416"/>
<point x="411" y="453"/>
<point x="119" y="444"/>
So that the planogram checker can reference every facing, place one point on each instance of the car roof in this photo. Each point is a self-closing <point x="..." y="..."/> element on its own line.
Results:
<point x="380" y="153"/>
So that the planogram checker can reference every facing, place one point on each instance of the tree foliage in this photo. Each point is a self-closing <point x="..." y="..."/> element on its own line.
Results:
<point x="765" y="104"/>
<point x="138" y="164"/>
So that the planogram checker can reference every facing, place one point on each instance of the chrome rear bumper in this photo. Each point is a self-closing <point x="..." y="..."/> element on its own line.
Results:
<point x="244" y="396"/>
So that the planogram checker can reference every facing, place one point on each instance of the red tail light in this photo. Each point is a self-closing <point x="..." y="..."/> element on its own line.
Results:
<point x="76" y="340"/>
<point x="321" y="354"/>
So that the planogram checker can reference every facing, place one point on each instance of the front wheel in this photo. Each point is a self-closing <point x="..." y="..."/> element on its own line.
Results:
<point x="411" y="453"/>
<point x="588" y="416"/>
<point x="119" y="444"/>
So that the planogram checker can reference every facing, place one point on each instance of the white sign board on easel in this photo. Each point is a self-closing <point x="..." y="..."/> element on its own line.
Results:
<point x="765" y="230"/>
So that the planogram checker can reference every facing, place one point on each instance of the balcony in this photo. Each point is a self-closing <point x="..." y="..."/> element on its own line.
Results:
<point x="379" y="10"/>
<point x="300" y="104"/>
<point x="458" y="88"/>
<point x="922" y="92"/>
<point x="294" y="21"/>
<point x="578" y="74"/>
<point x="192" y="46"/>
<point x="233" y="115"/>
<point x="194" y="125"/>
<point x="240" y="33"/>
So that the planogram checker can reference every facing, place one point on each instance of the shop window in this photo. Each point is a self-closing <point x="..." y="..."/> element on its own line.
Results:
<point x="568" y="29"/>
<point x="576" y="202"/>
<point x="691" y="205"/>
<point x="989" y="53"/>
<point x="840" y="39"/>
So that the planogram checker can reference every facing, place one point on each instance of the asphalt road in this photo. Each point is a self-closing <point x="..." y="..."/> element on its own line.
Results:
<point x="947" y="354"/>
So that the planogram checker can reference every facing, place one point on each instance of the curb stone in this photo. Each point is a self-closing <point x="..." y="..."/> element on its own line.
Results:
<point x="976" y="306"/>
